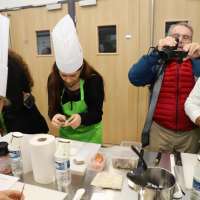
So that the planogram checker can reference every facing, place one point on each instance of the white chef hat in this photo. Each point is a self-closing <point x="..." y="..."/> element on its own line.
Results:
<point x="4" y="38"/>
<point x="68" y="51"/>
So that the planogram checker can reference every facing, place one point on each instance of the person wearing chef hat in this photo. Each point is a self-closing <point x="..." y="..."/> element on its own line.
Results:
<point x="75" y="89"/>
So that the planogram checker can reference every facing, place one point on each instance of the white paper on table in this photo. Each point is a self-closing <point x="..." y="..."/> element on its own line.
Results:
<point x="75" y="147"/>
<point x="106" y="195"/>
<point x="87" y="150"/>
<point x="98" y="196"/>
<point x="7" y="181"/>
<point x="108" y="180"/>
<point x="32" y="192"/>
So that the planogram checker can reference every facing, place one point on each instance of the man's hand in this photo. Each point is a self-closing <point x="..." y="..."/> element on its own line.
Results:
<point x="167" y="41"/>
<point x="193" y="50"/>
<point x="58" y="120"/>
<point x="74" y="121"/>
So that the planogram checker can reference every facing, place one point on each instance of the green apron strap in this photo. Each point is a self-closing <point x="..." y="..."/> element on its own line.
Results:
<point x="81" y="89"/>
<point x="62" y="96"/>
<point x="3" y="129"/>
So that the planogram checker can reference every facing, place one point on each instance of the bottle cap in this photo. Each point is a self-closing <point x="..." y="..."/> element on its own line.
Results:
<point x="17" y="134"/>
<point x="63" y="149"/>
<point x="3" y="148"/>
<point x="15" y="142"/>
<point x="62" y="140"/>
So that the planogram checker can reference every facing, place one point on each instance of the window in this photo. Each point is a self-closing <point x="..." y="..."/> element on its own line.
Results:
<point x="107" y="39"/>
<point x="43" y="42"/>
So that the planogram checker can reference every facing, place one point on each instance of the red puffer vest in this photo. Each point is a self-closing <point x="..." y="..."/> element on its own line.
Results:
<point x="177" y="84"/>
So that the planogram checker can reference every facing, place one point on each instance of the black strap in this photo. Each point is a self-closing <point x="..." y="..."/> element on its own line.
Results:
<point x="152" y="105"/>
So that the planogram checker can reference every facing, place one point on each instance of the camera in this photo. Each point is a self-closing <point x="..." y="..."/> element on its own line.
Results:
<point x="168" y="53"/>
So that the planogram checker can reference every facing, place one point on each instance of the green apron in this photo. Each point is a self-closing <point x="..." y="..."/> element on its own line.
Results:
<point x="91" y="133"/>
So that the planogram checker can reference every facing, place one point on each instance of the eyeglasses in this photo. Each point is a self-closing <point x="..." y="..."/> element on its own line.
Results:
<point x="185" y="38"/>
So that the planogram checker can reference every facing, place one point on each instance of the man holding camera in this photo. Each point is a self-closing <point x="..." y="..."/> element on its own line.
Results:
<point x="170" y="69"/>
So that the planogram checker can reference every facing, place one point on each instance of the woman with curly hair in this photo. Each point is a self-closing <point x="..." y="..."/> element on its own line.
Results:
<point x="21" y="114"/>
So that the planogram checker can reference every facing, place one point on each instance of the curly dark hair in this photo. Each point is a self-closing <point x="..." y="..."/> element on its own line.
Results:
<point x="16" y="59"/>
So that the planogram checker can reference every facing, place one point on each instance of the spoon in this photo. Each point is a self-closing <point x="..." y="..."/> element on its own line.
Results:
<point x="140" y="155"/>
<point x="137" y="179"/>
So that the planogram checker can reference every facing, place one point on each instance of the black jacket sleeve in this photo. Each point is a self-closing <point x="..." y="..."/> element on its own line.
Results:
<point x="94" y="97"/>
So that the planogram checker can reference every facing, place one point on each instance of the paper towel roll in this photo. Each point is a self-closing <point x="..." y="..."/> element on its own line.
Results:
<point x="42" y="149"/>
<point x="26" y="154"/>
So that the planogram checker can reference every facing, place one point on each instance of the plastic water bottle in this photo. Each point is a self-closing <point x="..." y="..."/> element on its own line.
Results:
<point x="5" y="167"/>
<point x="62" y="165"/>
<point x="195" y="194"/>
<point x="15" y="154"/>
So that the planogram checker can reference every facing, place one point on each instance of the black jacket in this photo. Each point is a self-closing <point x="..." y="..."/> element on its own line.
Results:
<point x="18" y="117"/>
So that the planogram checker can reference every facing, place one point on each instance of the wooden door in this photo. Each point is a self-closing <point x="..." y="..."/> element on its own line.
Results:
<point x="121" y="111"/>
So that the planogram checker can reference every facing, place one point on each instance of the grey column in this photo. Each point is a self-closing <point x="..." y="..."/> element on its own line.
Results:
<point x="72" y="10"/>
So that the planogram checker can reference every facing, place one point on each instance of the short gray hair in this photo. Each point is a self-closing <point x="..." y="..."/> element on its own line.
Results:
<point x="185" y="24"/>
